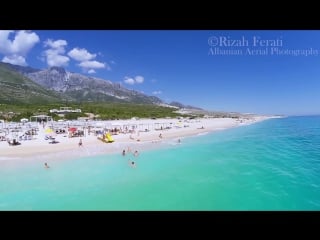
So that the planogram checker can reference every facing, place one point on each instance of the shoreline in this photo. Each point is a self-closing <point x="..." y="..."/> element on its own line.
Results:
<point x="68" y="148"/>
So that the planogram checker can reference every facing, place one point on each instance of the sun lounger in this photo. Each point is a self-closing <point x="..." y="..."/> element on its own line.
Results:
<point x="13" y="142"/>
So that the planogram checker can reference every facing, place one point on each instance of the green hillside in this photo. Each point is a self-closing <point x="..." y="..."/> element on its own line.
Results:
<point x="20" y="97"/>
<point x="17" y="89"/>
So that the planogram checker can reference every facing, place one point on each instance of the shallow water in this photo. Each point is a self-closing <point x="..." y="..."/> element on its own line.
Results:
<point x="271" y="165"/>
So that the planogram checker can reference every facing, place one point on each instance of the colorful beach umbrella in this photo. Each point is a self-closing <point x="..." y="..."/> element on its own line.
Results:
<point x="72" y="129"/>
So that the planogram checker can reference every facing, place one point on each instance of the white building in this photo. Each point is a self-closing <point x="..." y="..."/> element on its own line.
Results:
<point x="64" y="110"/>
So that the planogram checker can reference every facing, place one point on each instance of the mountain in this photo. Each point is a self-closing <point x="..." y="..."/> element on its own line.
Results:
<point x="20" y="69"/>
<point x="16" y="88"/>
<point x="80" y="88"/>
<point x="180" y="105"/>
<point x="83" y="88"/>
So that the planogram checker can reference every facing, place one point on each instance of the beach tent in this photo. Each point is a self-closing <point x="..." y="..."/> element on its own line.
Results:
<point x="24" y="120"/>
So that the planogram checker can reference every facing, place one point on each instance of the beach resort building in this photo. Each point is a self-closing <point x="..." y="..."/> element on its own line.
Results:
<point x="64" y="110"/>
<point x="40" y="118"/>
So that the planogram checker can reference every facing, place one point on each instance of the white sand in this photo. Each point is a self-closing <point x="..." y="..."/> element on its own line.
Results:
<point x="67" y="148"/>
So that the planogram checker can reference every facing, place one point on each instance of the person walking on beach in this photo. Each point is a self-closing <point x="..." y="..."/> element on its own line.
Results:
<point x="80" y="142"/>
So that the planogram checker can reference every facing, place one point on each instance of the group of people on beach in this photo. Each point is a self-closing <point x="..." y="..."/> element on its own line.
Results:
<point x="131" y="163"/>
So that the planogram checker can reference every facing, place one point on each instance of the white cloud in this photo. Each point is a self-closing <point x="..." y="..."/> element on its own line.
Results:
<point x="16" y="50"/>
<point x="53" y="51"/>
<point x="157" y="92"/>
<point x="57" y="60"/>
<point x="129" y="80"/>
<point x="139" y="79"/>
<point x="24" y="41"/>
<point x="92" y="64"/>
<point x="54" y="54"/>
<point x="15" y="59"/>
<point x="81" y="54"/>
<point x="58" y="44"/>
<point x="86" y="59"/>
<point x="21" y="44"/>
<point x="132" y="81"/>
<point x="5" y="43"/>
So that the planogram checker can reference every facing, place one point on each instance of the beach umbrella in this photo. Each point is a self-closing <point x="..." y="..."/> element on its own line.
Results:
<point x="72" y="129"/>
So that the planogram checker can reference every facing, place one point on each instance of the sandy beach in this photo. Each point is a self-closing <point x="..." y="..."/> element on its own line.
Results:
<point x="68" y="147"/>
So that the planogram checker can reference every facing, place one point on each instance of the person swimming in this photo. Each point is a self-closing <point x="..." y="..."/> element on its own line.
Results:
<point x="132" y="163"/>
<point x="136" y="153"/>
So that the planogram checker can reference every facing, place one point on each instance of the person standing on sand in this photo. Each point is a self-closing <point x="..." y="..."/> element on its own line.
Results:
<point x="80" y="142"/>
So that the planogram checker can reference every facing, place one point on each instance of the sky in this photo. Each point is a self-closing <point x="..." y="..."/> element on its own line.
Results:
<point x="262" y="72"/>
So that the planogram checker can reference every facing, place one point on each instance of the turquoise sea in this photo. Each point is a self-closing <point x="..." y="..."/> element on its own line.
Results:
<point x="271" y="165"/>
